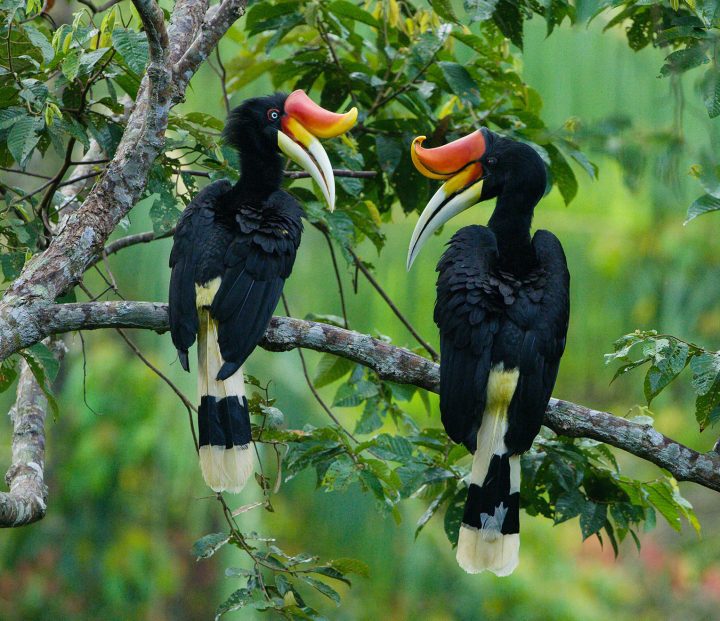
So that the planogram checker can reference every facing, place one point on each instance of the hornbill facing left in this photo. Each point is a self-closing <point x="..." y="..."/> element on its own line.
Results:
<point x="502" y="310"/>
<point x="233" y="248"/>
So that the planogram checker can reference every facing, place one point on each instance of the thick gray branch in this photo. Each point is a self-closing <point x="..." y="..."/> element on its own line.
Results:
<point x="400" y="365"/>
<point x="27" y="500"/>
<point x="49" y="274"/>
<point x="218" y="20"/>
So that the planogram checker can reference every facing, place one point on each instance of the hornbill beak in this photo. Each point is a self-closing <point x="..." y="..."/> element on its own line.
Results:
<point x="302" y="124"/>
<point x="457" y="162"/>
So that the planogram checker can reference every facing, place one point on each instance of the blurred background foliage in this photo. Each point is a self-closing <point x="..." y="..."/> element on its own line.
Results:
<point x="126" y="498"/>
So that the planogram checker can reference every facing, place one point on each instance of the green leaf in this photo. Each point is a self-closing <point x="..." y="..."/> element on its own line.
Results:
<point x="71" y="64"/>
<point x="704" y="204"/>
<point x="660" y="495"/>
<point x="40" y="41"/>
<point x="563" y="175"/>
<point x="239" y="599"/>
<point x="445" y="10"/>
<point x="706" y="382"/>
<point x="209" y="544"/>
<point x="509" y="20"/>
<point x="339" y="475"/>
<point x="36" y="357"/>
<point x="480" y="10"/>
<point x="12" y="263"/>
<point x="323" y="588"/>
<point x="348" y="9"/>
<point x="666" y="368"/>
<point x="331" y="368"/>
<point x="389" y="153"/>
<point x="23" y="138"/>
<point x="395" y="448"/>
<point x="682" y="60"/>
<point x="711" y="89"/>
<point x="454" y="515"/>
<point x="164" y="212"/>
<point x="133" y="47"/>
<point x="460" y="82"/>
<point x="351" y="566"/>
<point x="8" y="373"/>
<point x="592" y="518"/>
<point x="350" y="395"/>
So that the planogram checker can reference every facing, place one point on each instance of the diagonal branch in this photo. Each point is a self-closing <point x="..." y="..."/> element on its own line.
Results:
<point x="49" y="274"/>
<point x="400" y="365"/>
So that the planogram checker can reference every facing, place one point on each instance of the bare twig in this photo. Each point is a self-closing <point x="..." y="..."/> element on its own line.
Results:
<point x="336" y="269"/>
<point x="388" y="300"/>
<point x="312" y="388"/>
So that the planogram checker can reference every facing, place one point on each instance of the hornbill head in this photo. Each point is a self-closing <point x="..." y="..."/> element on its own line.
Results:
<point x="293" y="124"/>
<point x="477" y="167"/>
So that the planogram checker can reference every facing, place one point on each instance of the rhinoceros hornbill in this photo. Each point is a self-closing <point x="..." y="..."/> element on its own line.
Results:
<point x="502" y="310"/>
<point x="233" y="249"/>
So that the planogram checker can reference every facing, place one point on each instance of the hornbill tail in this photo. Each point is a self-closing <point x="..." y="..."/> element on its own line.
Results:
<point x="225" y="439"/>
<point x="489" y="538"/>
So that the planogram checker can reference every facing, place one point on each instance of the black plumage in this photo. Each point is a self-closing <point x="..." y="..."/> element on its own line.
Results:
<point x="233" y="249"/>
<point x="488" y="315"/>
<point x="502" y="310"/>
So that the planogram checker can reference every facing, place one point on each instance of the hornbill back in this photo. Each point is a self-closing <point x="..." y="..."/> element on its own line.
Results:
<point x="502" y="310"/>
<point x="234" y="247"/>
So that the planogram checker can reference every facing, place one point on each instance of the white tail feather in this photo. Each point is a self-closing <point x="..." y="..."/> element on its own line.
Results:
<point x="486" y="548"/>
<point x="224" y="469"/>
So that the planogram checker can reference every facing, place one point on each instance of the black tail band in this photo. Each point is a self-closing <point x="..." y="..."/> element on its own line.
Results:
<point x="492" y="505"/>
<point x="224" y="422"/>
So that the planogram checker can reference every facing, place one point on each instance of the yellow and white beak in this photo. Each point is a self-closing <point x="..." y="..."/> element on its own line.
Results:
<point x="459" y="164"/>
<point x="302" y="124"/>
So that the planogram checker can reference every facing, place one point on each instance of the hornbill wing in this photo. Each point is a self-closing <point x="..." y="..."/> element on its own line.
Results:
<point x="541" y="314"/>
<point x="194" y="224"/>
<point x="468" y="325"/>
<point x="257" y="263"/>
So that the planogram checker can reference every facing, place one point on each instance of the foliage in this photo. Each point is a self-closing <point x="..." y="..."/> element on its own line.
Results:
<point x="411" y="68"/>
<point x="668" y="356"/>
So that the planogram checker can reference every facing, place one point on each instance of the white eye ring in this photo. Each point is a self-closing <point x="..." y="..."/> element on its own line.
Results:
<point x="273" y="115"/>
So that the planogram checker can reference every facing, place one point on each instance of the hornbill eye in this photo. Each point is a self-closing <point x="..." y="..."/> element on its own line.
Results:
<point x="492" y="161"/>
<point x="273" y="114"/>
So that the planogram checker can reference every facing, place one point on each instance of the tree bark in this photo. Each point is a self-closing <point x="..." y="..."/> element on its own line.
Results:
<point x="400" y="365"/>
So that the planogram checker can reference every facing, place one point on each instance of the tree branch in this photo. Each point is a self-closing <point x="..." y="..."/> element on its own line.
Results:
<point x="50" y="273"/>
<point x="27" y="500"/>
<point x="400" y="365"/>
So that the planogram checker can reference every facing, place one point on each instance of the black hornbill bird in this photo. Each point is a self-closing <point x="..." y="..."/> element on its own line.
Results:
<point x="233" y="248"/>
<point x="502" y="310"/>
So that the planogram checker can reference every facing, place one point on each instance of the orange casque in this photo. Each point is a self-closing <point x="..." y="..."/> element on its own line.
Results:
<point x="446" y="161"/>
<point x="314" y="118"/>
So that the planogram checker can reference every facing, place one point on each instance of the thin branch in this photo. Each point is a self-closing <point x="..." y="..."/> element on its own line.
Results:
<point x="388" y="300"/>
<point x="400" y="365"/>
<point x="336" y="269"/>
<point x="338" y="172"/>
<point x="222" y="75"/>
<point x="99" y="9"/>
<point x="186" y="402"/>
<point x="24" y="172"/>
<point x="311" y="386"/>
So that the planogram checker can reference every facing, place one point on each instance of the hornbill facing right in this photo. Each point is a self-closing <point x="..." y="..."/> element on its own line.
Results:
<point x="502" y="309"/>
<point x="233" y="248"/>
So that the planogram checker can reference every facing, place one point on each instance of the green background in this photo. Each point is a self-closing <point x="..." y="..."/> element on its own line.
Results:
<point x="126" y="496"/>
